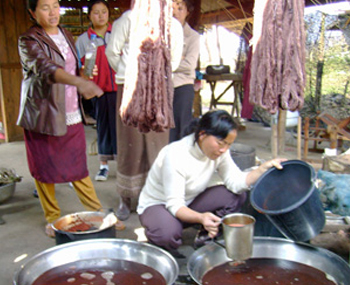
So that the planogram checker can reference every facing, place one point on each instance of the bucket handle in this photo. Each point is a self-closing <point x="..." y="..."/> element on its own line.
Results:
<point x="70" y="236"/>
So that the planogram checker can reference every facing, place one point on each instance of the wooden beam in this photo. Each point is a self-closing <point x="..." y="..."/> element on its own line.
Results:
<point x="235" y="11"/>
<point x="125" y="4"/>
<point x="230" y="14"/>
<point x="122" y="4"/>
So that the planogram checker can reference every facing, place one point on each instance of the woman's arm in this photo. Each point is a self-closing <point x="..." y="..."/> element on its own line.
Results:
<point x="86" y="88"/>
<point x="255" y="174"/>
<point x="209" y="221"/>
<point x="35" y="59"/>
<point x="189" y="60"/>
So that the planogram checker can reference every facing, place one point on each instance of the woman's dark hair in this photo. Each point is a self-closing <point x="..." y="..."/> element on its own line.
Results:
<point x="31" y="5"/>
<point x="189" y="6"/>
<point x="216" y="123"/>
<point x="93" y="2"/>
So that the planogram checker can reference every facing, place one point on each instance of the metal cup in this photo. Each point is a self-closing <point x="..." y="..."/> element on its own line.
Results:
<point x="238" y="234"/>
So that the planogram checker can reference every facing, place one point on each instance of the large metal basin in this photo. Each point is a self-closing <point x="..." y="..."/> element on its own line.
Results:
<point x="7" y="191"/>
<point x="98" y="249"/>
<point x="213" y="255"/>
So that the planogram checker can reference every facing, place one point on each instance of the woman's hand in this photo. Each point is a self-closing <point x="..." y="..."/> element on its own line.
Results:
<point x="255" y="174"/>
<point x="271" y="163"/>
<point x="94" y="72"/>
<point x="88" y="89"/>
<point x="211" y="223"/>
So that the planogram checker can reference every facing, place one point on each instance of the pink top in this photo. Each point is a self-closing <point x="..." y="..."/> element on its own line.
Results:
<point x="73" y="115"/>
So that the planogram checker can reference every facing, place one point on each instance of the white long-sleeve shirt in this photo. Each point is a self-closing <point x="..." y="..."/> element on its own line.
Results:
<point x="185" y="73"/>
<point x="118" y="48"/>
<point x="182" y="171"/>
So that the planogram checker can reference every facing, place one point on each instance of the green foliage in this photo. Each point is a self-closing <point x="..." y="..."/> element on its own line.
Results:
<point x="336" y="70"/>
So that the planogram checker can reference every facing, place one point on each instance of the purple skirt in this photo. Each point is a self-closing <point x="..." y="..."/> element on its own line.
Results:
<point x="57" y="159"/>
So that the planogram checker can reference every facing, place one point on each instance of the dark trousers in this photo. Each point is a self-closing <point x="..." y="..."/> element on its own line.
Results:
<point x="105" y="108"/>
<point x="164" y="230"/>
<point x="182" y="106"/>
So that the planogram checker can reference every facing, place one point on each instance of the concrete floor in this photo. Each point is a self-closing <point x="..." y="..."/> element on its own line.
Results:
<point x="22" y="235"/>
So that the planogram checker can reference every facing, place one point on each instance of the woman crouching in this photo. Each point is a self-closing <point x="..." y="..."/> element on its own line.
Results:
<point x="179" y="189"/>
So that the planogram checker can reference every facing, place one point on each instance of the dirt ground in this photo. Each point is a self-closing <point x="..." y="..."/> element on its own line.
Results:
<point x="22" y="233"/>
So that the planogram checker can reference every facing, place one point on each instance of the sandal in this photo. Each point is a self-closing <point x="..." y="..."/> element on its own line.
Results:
<point x="49" y="231"/>
<point x="119" y="225"/>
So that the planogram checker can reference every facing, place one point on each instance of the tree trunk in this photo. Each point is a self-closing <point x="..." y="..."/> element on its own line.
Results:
<point x="320" y="64"/>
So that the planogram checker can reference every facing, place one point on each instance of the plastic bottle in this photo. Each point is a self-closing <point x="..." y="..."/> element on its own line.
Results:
<point x="90" y="56"/>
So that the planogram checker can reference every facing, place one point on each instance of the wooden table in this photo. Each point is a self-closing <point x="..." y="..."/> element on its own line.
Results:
<point x="235" y="81"/>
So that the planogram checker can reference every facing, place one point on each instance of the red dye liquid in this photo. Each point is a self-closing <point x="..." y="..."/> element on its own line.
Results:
<point x="265" y="271"/>
<point x="236" y="225"/>
<point x="101" y="272"/>
<point x="80" y="225"/>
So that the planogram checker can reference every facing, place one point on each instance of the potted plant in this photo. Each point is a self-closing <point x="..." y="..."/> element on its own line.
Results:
<point x="8" y="179"/>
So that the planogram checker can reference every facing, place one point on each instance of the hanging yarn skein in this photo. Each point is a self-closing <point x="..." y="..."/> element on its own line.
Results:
<point x="278" y="60"/>
<point x="147" y="102"/>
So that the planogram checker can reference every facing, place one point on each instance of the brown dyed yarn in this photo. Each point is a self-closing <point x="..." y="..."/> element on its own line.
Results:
<point x="147" y="102"/>
<point x="278" y="61"/>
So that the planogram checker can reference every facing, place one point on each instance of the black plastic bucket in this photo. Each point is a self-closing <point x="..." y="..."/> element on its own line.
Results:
<point x="290" y="200"/>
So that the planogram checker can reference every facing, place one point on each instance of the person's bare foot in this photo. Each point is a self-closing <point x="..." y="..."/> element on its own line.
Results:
<point x="119" y="225"/>
<point x="49" y="231"/>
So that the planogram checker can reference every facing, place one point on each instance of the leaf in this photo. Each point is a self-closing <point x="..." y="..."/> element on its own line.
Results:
<point x="9" y="176"/>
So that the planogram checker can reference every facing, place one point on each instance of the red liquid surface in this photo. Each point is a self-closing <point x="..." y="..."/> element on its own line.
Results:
<point x="101" y="272"/>
<point x="265" y="271"/>
<point x="236" y="225"/>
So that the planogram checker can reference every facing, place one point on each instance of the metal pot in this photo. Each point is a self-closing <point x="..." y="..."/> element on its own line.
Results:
<point x="243" y="155"/>
<point x="7" y="191"/>
<point x="213" y="255"/>
<point x="95" y="253"/>
<point x="102" y="226"/>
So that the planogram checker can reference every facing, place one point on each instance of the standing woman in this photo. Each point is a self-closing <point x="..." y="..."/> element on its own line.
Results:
<point x="137" y="150"/>
<point x="50" y="110"/>
<point x="105" y="106"/>
<point x="185" y="74"/>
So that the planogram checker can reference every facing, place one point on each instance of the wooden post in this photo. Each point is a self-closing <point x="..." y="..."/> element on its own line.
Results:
<point x="274" y="138"/>
<point x="332" y="130"/>
<point x="274" y="141"/>
<point x="306" y="137"/>
<point x="194" y="20"/>
<point x="299" y="138"/>
<point x="282" y="115"/>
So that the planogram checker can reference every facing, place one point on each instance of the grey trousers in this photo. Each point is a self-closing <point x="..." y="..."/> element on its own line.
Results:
<point x="136" y="154"/>
<point x="165" y="230"/>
